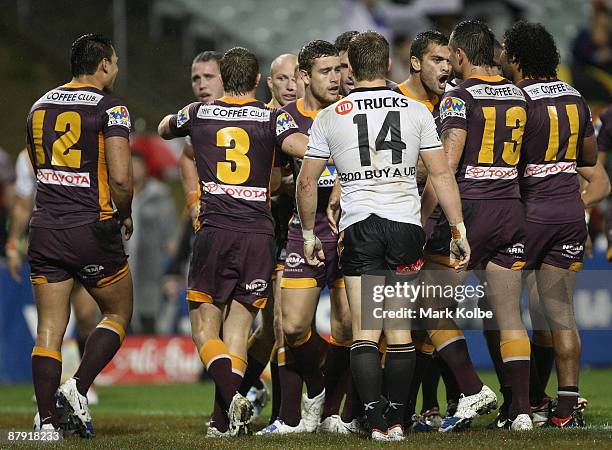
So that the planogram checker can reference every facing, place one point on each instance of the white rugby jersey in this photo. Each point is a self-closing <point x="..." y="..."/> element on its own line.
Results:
<point x="374" y="136"/>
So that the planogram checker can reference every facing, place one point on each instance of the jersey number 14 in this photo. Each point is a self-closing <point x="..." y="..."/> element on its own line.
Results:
<point x="395" y="144"/>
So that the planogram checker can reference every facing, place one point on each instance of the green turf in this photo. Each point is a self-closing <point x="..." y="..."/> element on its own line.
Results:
<point x="174" y="416"/>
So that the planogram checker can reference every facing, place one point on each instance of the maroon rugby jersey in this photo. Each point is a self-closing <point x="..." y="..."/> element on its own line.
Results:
<point x="234" y="145"/>
<point x="304" y="121"/>
<point x="493" y="112"/>
<point x="604" y="130"/>
<point x="558" y="119"/>
<point x="66" y="129"/>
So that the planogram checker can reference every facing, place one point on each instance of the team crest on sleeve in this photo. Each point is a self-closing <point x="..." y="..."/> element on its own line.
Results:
<point x="452" y="107"/>
<point x="182" y="117"/>
<point x="118" y="115"/>
<point x="284" y="122"/>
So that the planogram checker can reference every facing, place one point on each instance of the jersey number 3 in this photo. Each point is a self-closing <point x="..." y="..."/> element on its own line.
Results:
<point x="62" y="154"/>
<point x="236" y="143"/>
<point x="395" y="144"/>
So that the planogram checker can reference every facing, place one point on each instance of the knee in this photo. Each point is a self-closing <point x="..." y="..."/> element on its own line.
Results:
<point x="341" y="329"/>
<point x="294" y="331"/>
<point x="49" y="338"/>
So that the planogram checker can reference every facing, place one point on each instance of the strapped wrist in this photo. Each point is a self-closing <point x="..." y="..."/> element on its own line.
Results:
<point x="458" y="230"/>
<point x="308" y="235"/>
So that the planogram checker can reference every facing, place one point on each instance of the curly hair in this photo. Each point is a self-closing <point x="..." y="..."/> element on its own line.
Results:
<point x="533" y="48"/>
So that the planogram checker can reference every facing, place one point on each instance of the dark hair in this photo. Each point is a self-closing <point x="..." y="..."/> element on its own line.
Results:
<point x="368" y="54"/>
<point x="477" y="41"/>
<point x="87" y="52"/>
<point x="533" y="48"/>
<point x="239" y="69"/>
<point x="421" y="43"/>
<point x="208" y="55"/>
<point x="342" y="41"/>
<point x="313" y="50"/>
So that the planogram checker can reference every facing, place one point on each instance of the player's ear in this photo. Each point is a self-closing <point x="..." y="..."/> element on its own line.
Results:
<point x="389" y="62"/>
<point x="304" y="76"/>
<point x="460" y="55"/>
<point x="269" y="82"/>
<point x="350" y="71"/>
<point x="104" y="65"/>
<point x="257" y="80"/>
<point x="415" y="63"/>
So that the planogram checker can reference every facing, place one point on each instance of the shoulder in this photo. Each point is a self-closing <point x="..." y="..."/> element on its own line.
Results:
<point x="454" y="103"/>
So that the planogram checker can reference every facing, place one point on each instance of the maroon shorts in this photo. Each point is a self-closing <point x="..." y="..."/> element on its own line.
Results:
<point x="93" y="254"/>
<point x="229" y="265"/>
<point x="298" y="274"/>
<point x="495" y="232"/>
<point x="559" y="245"/>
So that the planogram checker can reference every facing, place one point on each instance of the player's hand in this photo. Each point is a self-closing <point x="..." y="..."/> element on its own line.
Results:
<point x="333" y="212"/>
<point x="14" y="263"/>
<point x="313" y="249"/>
<point x="588" y="247"/>
<point x="128" y="228"/>
<point x="459" y="247"/>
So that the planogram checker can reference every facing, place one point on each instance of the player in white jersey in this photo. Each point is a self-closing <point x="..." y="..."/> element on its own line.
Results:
<point x="375" y="137"/>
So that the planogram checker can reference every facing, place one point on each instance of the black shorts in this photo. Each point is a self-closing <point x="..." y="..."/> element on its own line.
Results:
<point x="376" y="244"/>
<point x="93" y="254"/>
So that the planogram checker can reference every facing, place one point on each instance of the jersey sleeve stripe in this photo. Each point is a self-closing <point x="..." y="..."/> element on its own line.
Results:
<point x="316" y="157"/>
<point x="431" y="147"/>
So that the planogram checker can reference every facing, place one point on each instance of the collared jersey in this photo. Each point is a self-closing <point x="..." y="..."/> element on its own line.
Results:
<point x="66" y="132"/>
<point x="374" y="136"/>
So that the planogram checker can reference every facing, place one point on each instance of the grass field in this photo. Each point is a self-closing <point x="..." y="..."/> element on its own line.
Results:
<point x="174" y="416"/>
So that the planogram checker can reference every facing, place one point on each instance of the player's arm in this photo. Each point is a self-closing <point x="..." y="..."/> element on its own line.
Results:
<point x="189" y="178"/>
<point x="25" y="187"/>
<point x="276" y="178"/>
<point x="295" y="145"/>
<point x="453" y="142"/>
<point x="164" y="129"/>
<point x="429" y="201"/>
<point x="445" y="187"/>
<point x="119" y="163"/>
<point x="333" y="207"/>
<point x="441" y="162"/>
<point x="307" y="185"/>
<point x="598" y="186"/>
<point x="587" y="156"/>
